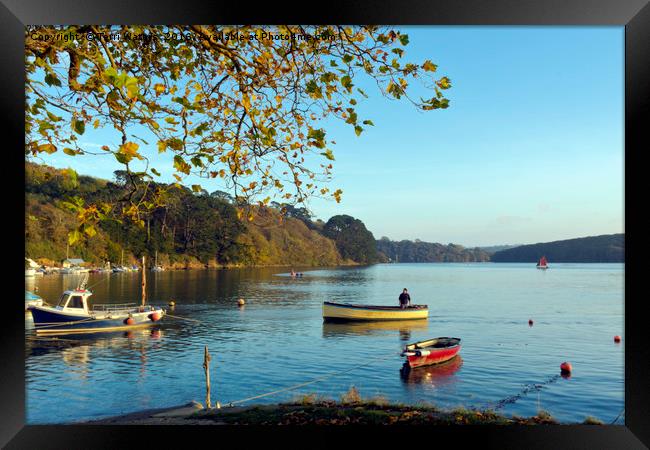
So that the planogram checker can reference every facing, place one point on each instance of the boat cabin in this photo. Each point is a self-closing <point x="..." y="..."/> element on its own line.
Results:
<point x="75" y="301"/>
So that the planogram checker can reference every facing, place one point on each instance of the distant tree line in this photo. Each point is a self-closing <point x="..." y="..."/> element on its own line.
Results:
<point x="421" y="252"/>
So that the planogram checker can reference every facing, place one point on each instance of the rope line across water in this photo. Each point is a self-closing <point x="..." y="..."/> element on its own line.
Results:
<point x="182" y="318"/>
<point x="524" y="391"/>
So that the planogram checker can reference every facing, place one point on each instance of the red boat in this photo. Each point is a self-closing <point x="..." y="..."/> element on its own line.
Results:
<point x="542" y="263"/>
<point x="433" y="351"/>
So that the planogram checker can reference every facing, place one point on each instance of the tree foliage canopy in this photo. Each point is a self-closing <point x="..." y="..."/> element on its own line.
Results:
<point x="244" y="109"/>
<point x="352" y="239"/>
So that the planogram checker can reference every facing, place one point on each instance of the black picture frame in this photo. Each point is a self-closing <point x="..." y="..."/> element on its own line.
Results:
<point x="633" y="14"/>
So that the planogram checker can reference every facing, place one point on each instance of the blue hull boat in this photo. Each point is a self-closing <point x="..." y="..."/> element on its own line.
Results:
<point x="74" y="315"/>
<point x="47" y="320"/>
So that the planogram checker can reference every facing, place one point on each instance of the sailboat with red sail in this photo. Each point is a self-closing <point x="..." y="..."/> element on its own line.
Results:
<point x="542" y="263"/>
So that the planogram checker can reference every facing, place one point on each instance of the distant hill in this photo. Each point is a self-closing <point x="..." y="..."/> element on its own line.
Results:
<point x="604" y="248"/>
<point x="498" y="248"/>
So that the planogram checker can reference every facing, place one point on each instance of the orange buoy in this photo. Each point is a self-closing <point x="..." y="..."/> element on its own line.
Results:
<point x="565" y="367"/>
<point x="617" y="339"/>
<point x="129" y="321"/>
<point x="154" y="317"/>
<point x="241" y="302"/>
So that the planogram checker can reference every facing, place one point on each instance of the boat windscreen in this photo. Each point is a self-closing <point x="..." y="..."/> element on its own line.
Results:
<point x="76" y="302"/>
<point x="63" y="299"/>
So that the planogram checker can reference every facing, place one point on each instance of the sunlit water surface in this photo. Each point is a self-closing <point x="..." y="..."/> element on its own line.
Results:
<point x="278" y="339"/>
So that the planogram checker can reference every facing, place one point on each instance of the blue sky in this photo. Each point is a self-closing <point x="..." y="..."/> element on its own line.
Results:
<point x="530" y="150"/>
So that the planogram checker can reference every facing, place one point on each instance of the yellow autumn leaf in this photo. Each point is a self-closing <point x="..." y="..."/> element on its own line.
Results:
<point x="429" y="66"/>
<point x="49" y="148"/>
<point x="245" y="101"/>
<point x="130" y="149"/>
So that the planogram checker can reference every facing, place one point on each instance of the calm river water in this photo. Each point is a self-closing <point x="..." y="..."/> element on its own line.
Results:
<point x="278" y="339"/>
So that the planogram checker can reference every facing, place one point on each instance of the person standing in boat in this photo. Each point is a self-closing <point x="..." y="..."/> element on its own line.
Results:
<point x="404" y="299"/>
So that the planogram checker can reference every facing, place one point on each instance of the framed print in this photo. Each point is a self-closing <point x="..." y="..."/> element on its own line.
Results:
<point x="401" y="223"/>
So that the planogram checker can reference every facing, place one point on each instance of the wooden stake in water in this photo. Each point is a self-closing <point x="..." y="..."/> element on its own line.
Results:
<point x="144" y="282"/>
<point x="206" y="366"/>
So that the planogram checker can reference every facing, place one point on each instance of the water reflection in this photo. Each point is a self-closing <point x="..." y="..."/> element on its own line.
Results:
<point x="404" y="327"/>
<point x="436" y="375"/>
<point x="74" y="348"/>
<point x="77" y="359"/>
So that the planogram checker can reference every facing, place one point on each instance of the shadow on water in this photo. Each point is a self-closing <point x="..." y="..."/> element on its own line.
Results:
<point x="436" y="375"/>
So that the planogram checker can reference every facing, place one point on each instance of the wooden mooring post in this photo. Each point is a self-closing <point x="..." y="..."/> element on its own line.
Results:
<point x="206" y="366"/>
<point x="144" y="281"/>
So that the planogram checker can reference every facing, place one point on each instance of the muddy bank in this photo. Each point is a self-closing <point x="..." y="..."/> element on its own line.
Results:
<point x="320" y="413"/>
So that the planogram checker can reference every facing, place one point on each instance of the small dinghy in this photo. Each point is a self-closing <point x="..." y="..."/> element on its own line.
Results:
<point x="433" y="351"/>
<point x="340" y="312"/>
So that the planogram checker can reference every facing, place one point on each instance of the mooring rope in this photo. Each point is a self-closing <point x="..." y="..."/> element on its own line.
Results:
<point x="50" y="339"/>
<point x="534" y="387"/>
<point x="60" y="324"/>
<point x="95" y="284"/>
<point x="182" y="318"/>
<point x="315" y="380"/>
<point x="619" y="415"/>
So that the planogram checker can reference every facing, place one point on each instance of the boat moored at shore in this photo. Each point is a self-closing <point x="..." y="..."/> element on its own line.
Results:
<point x="73" y="314"/>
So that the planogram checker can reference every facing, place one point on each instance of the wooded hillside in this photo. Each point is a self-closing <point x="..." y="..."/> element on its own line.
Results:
<point x="606" y="248"/>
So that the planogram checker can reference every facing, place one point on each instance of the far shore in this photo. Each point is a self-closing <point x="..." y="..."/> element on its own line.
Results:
<point x="309" y="411"/>
<point x="201" y="266"/>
